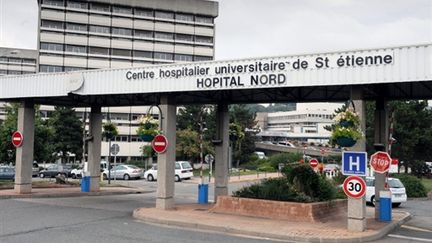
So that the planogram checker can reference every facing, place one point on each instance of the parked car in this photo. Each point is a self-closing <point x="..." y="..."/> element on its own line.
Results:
<point x="55" y="170"/>
<point x="125" y="172"/>
<point x="397" y="189"/>
<point x="261" y="155"/>
<point x="286" y="143"/>
<point x="35" y="169"/>
<point x="7" y="173"/>
<point x="183" y="170"/>
<point x="331" y="168"/>
<point x="77" y="173"/>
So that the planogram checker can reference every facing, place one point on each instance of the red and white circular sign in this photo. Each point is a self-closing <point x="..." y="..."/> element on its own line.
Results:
<point x="159" y="144"/>
<point x="313" y="163"/>
<point x="354" y="187"/>
<point x="380" y="162"/>
<point x="17" y="139"/>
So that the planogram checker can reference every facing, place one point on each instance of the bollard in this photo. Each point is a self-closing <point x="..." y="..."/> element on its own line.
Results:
<point x="385" y="207"/>
<point x="202" y="193"/>
<point x="85" y="184"/>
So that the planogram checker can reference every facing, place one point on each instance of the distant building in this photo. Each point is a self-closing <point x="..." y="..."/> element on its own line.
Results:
<point x="306" y="124"/>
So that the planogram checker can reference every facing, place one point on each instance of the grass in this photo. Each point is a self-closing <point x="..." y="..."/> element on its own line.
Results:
<point x="427" y="183"/>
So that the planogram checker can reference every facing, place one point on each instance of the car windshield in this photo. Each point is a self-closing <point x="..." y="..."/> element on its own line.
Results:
<point x="186" y="165"/>
<point x="395" y="183"/>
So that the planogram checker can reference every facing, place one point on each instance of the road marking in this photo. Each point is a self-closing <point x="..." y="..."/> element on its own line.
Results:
<point x="409" y="238"/>
<point x="415" y="228"/>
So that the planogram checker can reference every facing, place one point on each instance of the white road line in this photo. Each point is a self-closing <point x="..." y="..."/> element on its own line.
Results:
<point x="415" y="228"/>
<point x="409" y="238"/>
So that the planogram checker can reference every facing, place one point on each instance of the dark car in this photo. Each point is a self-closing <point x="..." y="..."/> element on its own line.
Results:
<point x="7" y="173"/>
<point x="55" y="170"/>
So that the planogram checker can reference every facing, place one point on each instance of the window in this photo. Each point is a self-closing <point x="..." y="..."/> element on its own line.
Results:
<point x="181" y="57"/>
<point x="121" y="31"/>
<point x="13" y="72"/>
<point x="51" y="47"/>
<point x="77" y="27"/>
<point x="164" y="15"/>
<point x="70" y="69"/>
<point x="3" y="59"/>
<point x="50" y="69"/>
<point x="80" y="5"/>
<point x="121" y="10"/>
<point x="163" y="35"/>
<point x="184" y="17"/>
<point x="177" y="166"/>
<point x="98" y="50"/>
<point x="143" y="33"/>
<point x="144" y="12"/>
<point x="52" y="24"/>
<point x="77" y="49"/>
<point x="3" y="72"/>
<point x="202" y="19"/>
<point x="146" y="54"/>
<point x="99" y="29"/>
<point x="16" y="60"/>
<point x="54" y="2"/>
<point x="202" y="58"/>
<point x="183" y="37"/>
<point x="100" y="7"/>
<point x="163" y="55"/>
<point x="204" y="39"/>
<point x="120" y="52"/>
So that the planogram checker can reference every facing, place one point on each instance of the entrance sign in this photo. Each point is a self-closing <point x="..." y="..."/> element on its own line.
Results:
<point x="354" y="187"/>
<point x="17" y="139"/>
<point x="313" y="163"/>
<point x="380" y="162"/>
<point x="354" y="163"/>
<point x="159" y="144"/>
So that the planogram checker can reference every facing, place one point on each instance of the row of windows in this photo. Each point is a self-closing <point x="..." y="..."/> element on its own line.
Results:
<point x="129" y="10"/>
<point x="17" y="60"/>
<point x="117" y="52"/>
<point x="125" y="31"/>
<point x="13" y="72"/>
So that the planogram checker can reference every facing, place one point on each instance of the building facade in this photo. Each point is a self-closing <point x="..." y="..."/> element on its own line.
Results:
<point x="93" y="34"/>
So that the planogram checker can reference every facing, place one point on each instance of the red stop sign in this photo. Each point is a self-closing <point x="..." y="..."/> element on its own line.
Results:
<point x="160" y="144"/>
<point x="17" y="139"/>
<point x="380" y="162"/>
<point x="313" y="163"/>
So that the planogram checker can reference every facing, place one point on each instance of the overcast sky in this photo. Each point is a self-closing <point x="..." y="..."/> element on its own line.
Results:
<point x="250" y="28"/>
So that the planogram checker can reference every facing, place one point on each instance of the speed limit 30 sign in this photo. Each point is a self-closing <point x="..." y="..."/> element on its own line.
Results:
<point x="354" y="187"/>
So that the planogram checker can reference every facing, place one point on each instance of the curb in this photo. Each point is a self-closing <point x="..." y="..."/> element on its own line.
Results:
<point x="227" y="230"/>
<point x="72" y="194"/>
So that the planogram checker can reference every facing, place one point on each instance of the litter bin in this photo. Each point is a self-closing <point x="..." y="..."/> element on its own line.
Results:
<point x="202" y="193"/>
<point x="385" y="206"/>
<point x="85" y="184"/>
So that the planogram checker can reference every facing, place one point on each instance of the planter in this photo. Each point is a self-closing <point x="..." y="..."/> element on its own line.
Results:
<point x="346" y="123"/>
<point x="346" y="141"/>
<point x="147" y="137"/>
<point x="292" y="211"/>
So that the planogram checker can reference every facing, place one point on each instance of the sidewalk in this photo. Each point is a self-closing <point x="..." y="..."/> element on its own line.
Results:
<point x="198" y="217"/>
<point x="69" y="192"/>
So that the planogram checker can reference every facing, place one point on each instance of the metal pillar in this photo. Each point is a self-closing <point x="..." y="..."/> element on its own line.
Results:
<point x="94" y="147"/>
<point x="221" y="149"/>
<point x="357" y="207"/>
<point x="24" y="154"/>
<point x="166" y="161"/>
<point x="381" y="143"/>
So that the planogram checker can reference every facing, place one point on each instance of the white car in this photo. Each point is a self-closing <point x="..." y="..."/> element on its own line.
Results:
<point x="398" y="192"/>
<point x="125" y="172"/>
<point x="76" y="173"/>
<point x="183" y="170"/>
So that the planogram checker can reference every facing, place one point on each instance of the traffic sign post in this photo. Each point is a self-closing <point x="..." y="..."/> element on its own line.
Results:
<point x="354" y="163"/>
<point x="159" y="144"/>
<point x="380" y="162"/>
<point x="17" y="139"/>
<point x="313" y="163"/>
<point x="354" y="187"/>
<point x="115" y="149"/>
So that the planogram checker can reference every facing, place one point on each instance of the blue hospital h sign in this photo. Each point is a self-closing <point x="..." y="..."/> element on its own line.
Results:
<point x="354" y="163"/>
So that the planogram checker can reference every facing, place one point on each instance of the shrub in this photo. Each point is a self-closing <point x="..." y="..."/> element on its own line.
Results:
<point x="413" y="185"/>
<point x="271" y="189"/>
<point x="284" y="158"/>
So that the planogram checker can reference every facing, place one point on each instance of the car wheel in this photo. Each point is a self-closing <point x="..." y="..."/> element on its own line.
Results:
<point x="396" y="205"/>
<point x="177" y="178"/>
<point x="74" y="176"/>
<point x="126" y="177"/>
<point x="150" y="178"/>
<point x="105" y="177"/>
<point x="41" y="175"/>
<point x="373" y="201"/>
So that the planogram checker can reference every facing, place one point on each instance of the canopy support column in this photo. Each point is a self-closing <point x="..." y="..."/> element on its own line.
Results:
<point x="222" y="150"/>
<point x="94" y="147"/>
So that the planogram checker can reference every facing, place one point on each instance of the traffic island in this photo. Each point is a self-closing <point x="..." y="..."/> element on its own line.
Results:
<point x="200" y="217"/>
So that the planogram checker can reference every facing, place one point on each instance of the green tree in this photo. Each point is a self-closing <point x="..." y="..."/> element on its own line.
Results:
<point x="67" y="132"/>
<point x="187" y="145"/>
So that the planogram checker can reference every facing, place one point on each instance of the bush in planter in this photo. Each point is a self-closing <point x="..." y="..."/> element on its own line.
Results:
<point x="148" y="128"/>
<point x="346" y="131"/>
<point x="109" y="130"/>
<point x="413" y="185"/>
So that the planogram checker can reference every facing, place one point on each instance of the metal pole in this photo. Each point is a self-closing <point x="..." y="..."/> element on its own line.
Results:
<point x="115" y="164"/>
<point x="109" y="161"/>
<point x="201" y="149"/>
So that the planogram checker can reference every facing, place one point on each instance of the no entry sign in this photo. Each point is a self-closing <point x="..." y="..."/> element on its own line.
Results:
<point x="313" y="163"/>
<point x="160" y="144"/>
<point x="354" y="187"/>
<point x="17" y="139"/>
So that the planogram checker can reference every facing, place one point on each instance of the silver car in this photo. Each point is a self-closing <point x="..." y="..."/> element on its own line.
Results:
<point x="125" y="172"/>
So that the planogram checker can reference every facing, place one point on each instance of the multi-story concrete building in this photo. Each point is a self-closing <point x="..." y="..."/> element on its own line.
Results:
<point x="92" y="34"/>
